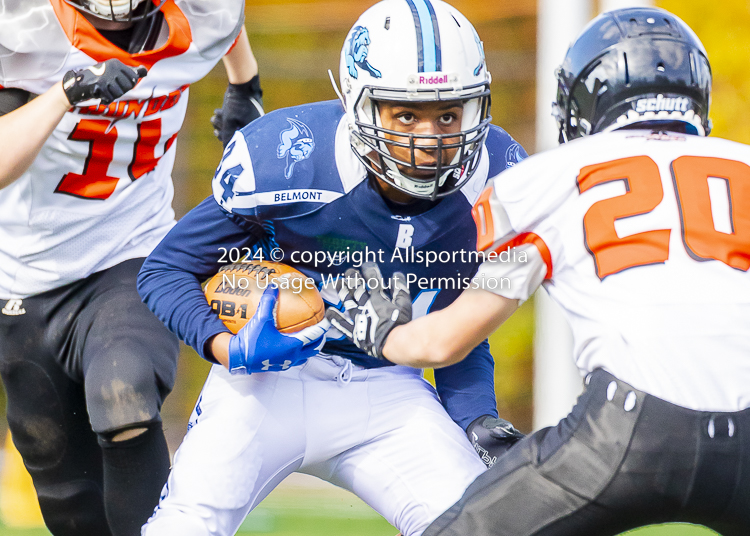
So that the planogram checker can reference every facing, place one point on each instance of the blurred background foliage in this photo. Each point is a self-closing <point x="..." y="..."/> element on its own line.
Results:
<point x="724" y="28"/>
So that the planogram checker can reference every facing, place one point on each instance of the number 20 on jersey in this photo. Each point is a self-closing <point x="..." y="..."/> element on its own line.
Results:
<point x="690" y="177"/>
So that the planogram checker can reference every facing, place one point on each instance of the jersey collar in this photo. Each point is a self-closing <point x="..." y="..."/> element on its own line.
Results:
<point x="88" y="40"/>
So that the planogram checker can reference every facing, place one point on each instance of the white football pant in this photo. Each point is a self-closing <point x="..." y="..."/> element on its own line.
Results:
<point x="380" y="433"/>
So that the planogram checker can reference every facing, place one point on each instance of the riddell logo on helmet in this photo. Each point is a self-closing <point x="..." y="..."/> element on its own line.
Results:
<point x="433" y="79"/>
<point x="662" y="103"/>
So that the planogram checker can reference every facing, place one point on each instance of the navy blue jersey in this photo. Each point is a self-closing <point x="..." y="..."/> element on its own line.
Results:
<point x="290" y="189"/>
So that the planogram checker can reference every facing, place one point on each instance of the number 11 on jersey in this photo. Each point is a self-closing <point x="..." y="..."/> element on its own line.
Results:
<point x="94" y="182"/>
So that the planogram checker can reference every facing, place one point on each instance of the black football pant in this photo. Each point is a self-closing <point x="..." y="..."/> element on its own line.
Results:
<point x="80" y="364"/>
<point x="621" y="459"/>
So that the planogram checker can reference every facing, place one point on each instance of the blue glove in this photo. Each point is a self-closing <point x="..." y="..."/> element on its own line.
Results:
<point x="259" y="346"/>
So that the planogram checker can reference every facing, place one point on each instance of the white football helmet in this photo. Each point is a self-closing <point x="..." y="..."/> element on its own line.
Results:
<point x="116" y="10"/>
<point x="415" y="51"/>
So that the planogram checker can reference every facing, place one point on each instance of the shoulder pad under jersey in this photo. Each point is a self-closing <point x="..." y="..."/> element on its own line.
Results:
<point x="283" y="164"/>
<point x="33" y="44"/>
<point x="214" y="25"/>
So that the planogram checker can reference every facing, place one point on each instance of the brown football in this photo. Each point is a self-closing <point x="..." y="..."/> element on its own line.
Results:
<point x="234" y="294"/>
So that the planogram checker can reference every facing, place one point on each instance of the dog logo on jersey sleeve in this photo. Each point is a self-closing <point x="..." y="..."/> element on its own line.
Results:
<point x="356" y="55"/>
<point x="297" y="144"/>
<point x="513" y="155"/>
<point x="14" y="308"/>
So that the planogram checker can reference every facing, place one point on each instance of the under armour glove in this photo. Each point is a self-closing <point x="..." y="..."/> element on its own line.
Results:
<point x="243" y="103"/>
<point x="260" y="347"/>
<point x="108" y="81"/>
<point x="369" y="314"/>
<point x="491" y="437"/>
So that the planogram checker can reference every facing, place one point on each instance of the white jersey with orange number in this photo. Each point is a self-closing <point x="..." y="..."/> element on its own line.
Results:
<point x="644" y="240"/>
<point x="100" y="190"/>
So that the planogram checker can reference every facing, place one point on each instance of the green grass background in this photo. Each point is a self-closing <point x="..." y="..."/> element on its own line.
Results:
<point x="312" y="508"/>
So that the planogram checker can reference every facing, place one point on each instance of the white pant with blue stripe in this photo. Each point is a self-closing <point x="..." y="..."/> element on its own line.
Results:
<point x="380" y="433"/>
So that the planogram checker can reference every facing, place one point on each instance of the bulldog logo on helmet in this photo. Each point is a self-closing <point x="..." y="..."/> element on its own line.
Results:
<point x="356" y="55"/>
<point x="297" y="144"/>
<point x="480" y="46"/>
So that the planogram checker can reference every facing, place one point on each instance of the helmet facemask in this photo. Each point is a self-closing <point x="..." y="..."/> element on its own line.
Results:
<point x="118" y="10"/>
<point x="375" y="145"/>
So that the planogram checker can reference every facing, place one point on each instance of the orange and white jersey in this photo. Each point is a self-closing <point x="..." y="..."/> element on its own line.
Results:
<point x="644" y="240"/>
<point x="100" y="190"/>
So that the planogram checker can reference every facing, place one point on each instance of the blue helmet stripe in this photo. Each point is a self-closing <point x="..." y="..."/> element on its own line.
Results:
<point x="435" y="36"/>
<point x="428" y="35"/>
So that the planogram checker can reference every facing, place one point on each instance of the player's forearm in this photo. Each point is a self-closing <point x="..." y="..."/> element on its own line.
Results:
<point x="169" y="281"/>
<point x="240" y="63"/>
<point x="467" y="389"/>
<point x="218" y="346"/>
<point x="428" y="342"/>
<point x="447" y="336"/>
<point x="176" y="298"/>
<point x="24" y="131"/>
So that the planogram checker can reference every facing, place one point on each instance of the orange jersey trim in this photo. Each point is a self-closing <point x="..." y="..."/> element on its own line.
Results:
<point x="482" y="214"/>
<point x="530" y="238"/>
<point x="82" y="35"/>
<point x="237" y="40"/>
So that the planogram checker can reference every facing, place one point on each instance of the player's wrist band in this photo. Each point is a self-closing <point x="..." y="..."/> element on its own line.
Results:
<point x="236" y="363"/>
<point x="251" y="87"/>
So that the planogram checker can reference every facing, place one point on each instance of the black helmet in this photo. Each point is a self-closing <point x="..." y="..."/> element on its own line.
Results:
<point x="632" y="65"/>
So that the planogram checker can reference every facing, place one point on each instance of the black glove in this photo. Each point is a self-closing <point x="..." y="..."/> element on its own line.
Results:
<point x="373" y="314"/>
<point x="108" y="80"/>
<point x="491" y="437"/>
<point x="243" y="103"/>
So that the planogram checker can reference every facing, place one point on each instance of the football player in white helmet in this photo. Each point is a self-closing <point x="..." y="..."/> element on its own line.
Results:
<point x="450" y="69"/>
<point x="394" y="171"/>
